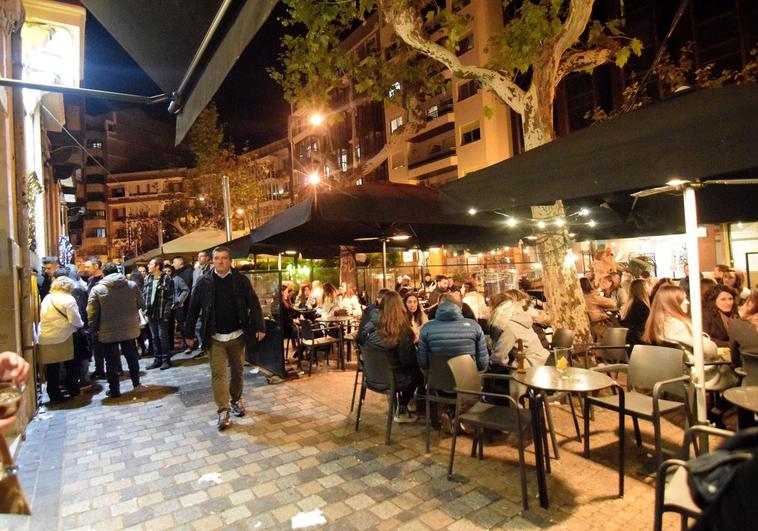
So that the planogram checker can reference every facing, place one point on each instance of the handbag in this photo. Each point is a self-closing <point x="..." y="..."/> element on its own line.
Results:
<point x="12" y="499"/>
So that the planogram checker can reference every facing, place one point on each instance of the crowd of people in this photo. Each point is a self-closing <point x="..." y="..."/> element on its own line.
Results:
<point x="154" y="311"/>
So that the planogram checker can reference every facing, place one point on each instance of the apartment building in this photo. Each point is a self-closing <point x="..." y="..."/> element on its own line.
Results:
<point x="133" y="203"/>
<point x="274" y="187"/>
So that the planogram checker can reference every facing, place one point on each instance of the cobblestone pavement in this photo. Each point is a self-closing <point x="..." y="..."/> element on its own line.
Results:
<point x="153" y="460"/>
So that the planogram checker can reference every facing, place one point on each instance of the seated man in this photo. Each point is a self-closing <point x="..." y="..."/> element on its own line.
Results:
<point x="450" y="334"/>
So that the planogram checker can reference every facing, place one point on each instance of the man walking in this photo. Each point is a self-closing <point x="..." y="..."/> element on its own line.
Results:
<point x="114" y="322"/>
<point x="93" y="270"/>
<point x="159" y="305"/>
<point x="230" y="313"/>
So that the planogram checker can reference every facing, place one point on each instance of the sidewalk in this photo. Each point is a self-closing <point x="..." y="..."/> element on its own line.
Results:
<point x="153" y="460"/>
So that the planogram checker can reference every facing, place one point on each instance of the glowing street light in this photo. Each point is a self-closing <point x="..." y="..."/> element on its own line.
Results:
<point x="240" y="211"/>
<point x="314" y="178"/>
<point x="316" y="119"/>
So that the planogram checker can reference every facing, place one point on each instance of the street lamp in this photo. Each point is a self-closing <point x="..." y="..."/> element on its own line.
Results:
<point x="314" y="178"/>
<point x="316" y="119"/>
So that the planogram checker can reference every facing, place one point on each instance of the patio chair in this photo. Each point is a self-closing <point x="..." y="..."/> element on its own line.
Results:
<point x="750" y="368"/>
<point x="676" y="495"/>
<point x="650" y="367"/>
<point x="379" y="377"/>
<point x="312" y="344"/>
<point x="358" y="372"/>
<point x="513" y="419"/>
<point x="612" y="347"/>
<point x="439" y="387"/>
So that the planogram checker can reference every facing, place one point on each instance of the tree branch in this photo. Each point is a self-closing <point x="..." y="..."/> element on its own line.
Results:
<point x="583" y="60"/>
<point x="408" y="26"/>
<point x="576" y="22"/>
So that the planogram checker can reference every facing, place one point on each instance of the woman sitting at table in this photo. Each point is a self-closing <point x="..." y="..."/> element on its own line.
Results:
<point x="416" y="316"/>
<point x="349" y="301"/>
<point x="390" y="330"/>
<point x="596" y="309"/>
<point x="331" y="301"/>
<point x="743" y="333"/>
<point x="719" y="310"/>
<point x="304" y="300"/>
<point x="669" y="324"/>
<point x="635" y="312"/>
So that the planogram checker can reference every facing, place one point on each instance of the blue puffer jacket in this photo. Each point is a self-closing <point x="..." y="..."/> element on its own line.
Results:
<point x="450" y="334"/>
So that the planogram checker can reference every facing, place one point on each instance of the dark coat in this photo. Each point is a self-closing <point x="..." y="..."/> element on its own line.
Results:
<point x="713" y="325"/>
<point x="743" y="337"/>
<point x="163" y="305"/>
<point x="450" y="334"/>
<point x="635" y="321"/>
<point x="186" y="274"/>
<point x="203" y="299"/>
<point x="401" y="355"/>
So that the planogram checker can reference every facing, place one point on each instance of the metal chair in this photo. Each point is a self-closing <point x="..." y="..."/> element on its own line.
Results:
<point x="676" y="496"/>
<point x="650" y="367"/>
<point x="439" y="387"/>
<point x="379" y="377"/>
<point x="513" y="419"/>
<point x="563" y="338"/>
<point x="312" y="344"/>
<point x="750" y="366"/>
<point x="358" y="371"/>
<point x="612" y="348"/>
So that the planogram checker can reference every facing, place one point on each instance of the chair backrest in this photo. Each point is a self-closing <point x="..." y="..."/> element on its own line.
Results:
<point x="563" y="338"/>
<point x="650" y="364"/>
<point x="750" y="364"/>
<point x="376" y="367"/>
<point x="614" y="336"/>
<point x="465" y="375"/>
<point x="306" y="330"/>
<point x="439" y="377"/>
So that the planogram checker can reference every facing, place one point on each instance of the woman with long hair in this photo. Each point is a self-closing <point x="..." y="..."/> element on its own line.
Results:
<point x="304" y="300"/>
<point x="635" y="312"/>
<point x="330" y="301"/>
<point x="736" y="280"/>
<point x="349" y="301"/>
<point x="719" y="310"/>
<point x="669" y="324"/>
<point x="390" y="330"/>
<point x="416" y="316"/>
<point x="743" y="332"/>
<point x="596" y="308"/>
<point x="59" y="319"/>
<point x="665" y="281"/>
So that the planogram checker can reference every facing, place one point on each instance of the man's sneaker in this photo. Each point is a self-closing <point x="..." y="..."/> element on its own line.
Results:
<point x="113" y="393"/>
<point x="166" y="365"/>
<point x="403" y="416"/>
<point x="199" y="354"/>
<point x="155" y="365"/>
<point x="224" y="420"/>
<point x="238" y="409"/>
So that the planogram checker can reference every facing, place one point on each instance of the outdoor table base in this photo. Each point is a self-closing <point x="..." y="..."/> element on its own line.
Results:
<point x="746" y="399"/>
<point x="542" y="379"/>
<point x="340" y="321"/>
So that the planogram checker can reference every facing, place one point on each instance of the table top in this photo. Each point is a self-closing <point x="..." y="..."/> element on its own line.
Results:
<point x="573" y="379"/>
<point x="336" y="319"/>
<point x="744" y="397"/>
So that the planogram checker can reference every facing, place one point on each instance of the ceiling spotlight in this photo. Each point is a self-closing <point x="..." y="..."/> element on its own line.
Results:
<point x="592" y="223"/>
<point x="511" y="222"/>
<point x="400" y="237"/>
<point x="471" y="211"/>
<point x="560" y="222"/>
<point x="584" y="212"/>
<point x="676" y="182"/>
<point x="572" y="234"/>
<point x="540" y="224"/>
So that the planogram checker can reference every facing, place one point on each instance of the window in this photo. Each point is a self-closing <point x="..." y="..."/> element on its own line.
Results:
<point x="117" y="192"/>
<point x="342" y="158"/>
<point x="99" y="233"/>
<point x="359" y="182"/>
<point x="468" y="89"/>
<point x="433" y="112"/>
<point x="396" y="124"/>
<point x="465" y="44"/>
<point x="95" y="144"/>
<point x="394" y="89"/>
<point x="470" y="133"/>
<point x="398" y="161"/>
<point x="174" y="187"/>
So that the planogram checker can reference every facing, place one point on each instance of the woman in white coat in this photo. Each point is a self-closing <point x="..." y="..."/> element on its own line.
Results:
<point x="59" y="319"/>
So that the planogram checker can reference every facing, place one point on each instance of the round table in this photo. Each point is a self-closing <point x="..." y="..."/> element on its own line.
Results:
<point x="744" y="397"/>
<point x="570" y="380"/>
<point x="343" y="322"/>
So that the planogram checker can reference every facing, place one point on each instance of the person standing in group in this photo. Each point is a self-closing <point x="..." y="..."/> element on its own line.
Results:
<point x="113" y="316"/>
<point x="231" y="312"/>
<point x="93" y="270"/>
<point x="181" y="295"/>
<point x="203" y="266"/>
<point x="82" y="352"/>
<point x="159" y="305"/>
<point x="187" y="274"/>
<point x="59" y="319"/>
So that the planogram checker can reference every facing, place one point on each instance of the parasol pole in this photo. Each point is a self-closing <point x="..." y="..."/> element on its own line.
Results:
<point x="696" y="309"/>
<point x="384" y="262"/>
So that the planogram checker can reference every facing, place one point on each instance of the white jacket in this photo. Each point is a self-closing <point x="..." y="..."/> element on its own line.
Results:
<point x="717" y="377"/>
<point x="351" y="305"/>
<point x="57" y="325"/>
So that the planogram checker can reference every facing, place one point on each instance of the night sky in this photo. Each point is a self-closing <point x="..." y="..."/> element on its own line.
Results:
<point x="250" y="103"/>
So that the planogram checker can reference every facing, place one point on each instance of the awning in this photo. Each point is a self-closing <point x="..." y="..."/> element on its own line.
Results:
<point x="696" y="135"/>
<point x="403" y="215"/>
<point x="186" y="47"/>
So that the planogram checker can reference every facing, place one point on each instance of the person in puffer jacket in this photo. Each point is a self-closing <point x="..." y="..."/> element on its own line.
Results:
<point x="450" y="334"/>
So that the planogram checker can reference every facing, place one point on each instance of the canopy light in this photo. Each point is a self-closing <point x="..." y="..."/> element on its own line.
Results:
<point x="290" y="252"/>
<point x="541" y="225"/>
<point x="592" y="223"/>
<point x="400" y="237"/>
<point x="677" y="182"/>
<point x="511" y="222"/>
<point x="584" y="212"/>
<point x="471" y="211"/>
<point x="560" y="222"/>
